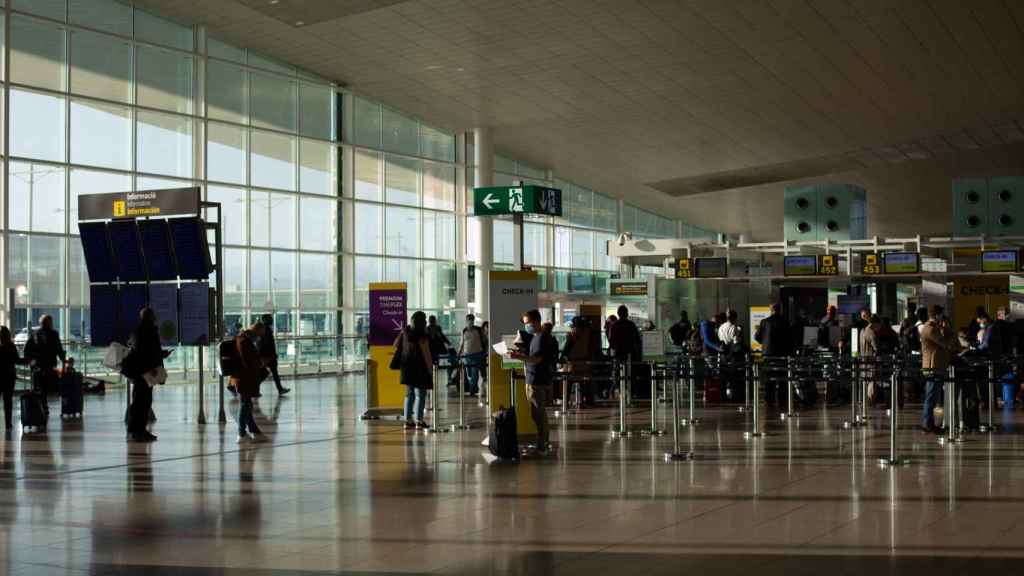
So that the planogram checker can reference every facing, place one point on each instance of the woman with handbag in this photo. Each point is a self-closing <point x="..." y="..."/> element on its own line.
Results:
<point x="412" y="347"/>
<point x="144" y="365"/>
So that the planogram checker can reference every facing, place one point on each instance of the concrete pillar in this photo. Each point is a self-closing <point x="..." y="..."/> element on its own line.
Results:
<point x="483" y="155"/>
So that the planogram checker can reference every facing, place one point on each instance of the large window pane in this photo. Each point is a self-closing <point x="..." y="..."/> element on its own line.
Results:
<point x="273" y="102"/>
<point x="563" y="247"/>
<point x="366" y="269"/>
<point x="281" y="212"/>
<point x="101" y="66"/>
<point x="602" y="261"/>
<point x="282" y="279"/>
<point x="164" y="79"/>
<point x="318" y="224"/>
<point x="218" y="49"/>
<point x="50" y="8"/>
<point x="164" y="144"/>
<point x="319" y="281"/>
<point x="368" y="227"/>
<point x="438" y="235"/>
<point x="535" y="244"/>
<point x="259" y="61"/>
<point x="235" y="278"/>
<point x="107" y="15"/>
<point x="400" y="133"/>
<point x="36" y="200"/>
<point x="225" y="153"/>
<point x="367" y="175"/>
<point x="273" y="160"/>
<point x="36" y="265"/>
<point x="85" y="181"/>
<point x="503" y="241"/>
<point x="233" y="209"/>
<point x="78" y="275"/>
<point x="403" y="232"/>
<point x="438" y="285"/>
<point x="226" y="92"/>
<point x="318" y="167"/>
<point x="408" y="271"/>
<point x="37" y="125"/>
<point x="438" y="186"/>
<point x="606" y="213"/>
<point x="160" y="31"/>
<point x="316" y="107"/>
<point x="259" y="280"/>
<point x="436" y="144"/>
<point x="582" y="250"/>
<point x="38" y="53"/>
<point x="402" y="180"/>
<point x="101" y="134"/>
<point x="367" y="122"/>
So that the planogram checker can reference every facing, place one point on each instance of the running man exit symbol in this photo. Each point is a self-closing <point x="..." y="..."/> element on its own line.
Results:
<point x="515" y="200"/>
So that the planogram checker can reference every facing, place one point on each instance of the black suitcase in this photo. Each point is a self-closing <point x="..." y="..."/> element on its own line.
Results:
<point x="503" y="441"/>
<point x="33" y="410"/>
<point x="71" y="395"/>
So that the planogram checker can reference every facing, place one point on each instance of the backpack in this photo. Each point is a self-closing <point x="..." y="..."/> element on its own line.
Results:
<point x="678" y="334"/>
<point x="910" y="338"/>
<point x="696" y="341"/>
<point x="502" y="440"/>
<point x="230" y="358"/>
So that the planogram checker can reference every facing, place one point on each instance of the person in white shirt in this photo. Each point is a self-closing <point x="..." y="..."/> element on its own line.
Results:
<point x="729" y="332"/>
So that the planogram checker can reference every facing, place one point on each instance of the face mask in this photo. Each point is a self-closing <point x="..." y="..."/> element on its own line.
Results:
<point x="529" y="329"/>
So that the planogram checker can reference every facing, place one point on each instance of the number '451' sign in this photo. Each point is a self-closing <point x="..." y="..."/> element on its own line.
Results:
<point x="528" y="199"/>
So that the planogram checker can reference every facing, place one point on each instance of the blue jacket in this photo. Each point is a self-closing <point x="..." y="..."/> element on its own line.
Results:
<point x="709" y="336"/>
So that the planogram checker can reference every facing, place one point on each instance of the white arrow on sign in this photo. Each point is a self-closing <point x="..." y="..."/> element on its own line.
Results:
<point x="490" y="201"/>
<point x="397" y="324"/>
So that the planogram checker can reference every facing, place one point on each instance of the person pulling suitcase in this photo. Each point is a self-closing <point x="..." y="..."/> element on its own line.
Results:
<point x="71" y="391"/>
<point x="9" y="362"/>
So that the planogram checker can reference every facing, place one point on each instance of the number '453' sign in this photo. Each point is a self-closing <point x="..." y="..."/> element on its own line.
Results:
<point x="528" y="199"/>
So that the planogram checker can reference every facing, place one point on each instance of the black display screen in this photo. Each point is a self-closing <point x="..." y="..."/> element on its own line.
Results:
<point x="124" y="237"/>
<point x="99" y="258"/>
<point x="190" y="248"/>
<point x="194" y="314"/>
<point x="133" y="300"/>
<point x="156" y="246"/>
<point x="712" y="268"/>
<point x="102" y="315"/>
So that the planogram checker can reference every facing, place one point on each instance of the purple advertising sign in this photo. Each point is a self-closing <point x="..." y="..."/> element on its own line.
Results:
<point x="387" y="313"/>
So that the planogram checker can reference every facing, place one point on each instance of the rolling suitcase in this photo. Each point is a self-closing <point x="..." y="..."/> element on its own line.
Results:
<point x="71" y="395"/>
<point x="33" y="411"/>
<point x="503" y="441"/>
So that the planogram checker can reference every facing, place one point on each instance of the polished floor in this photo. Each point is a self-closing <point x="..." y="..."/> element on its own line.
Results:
<point x="332" y="494"/>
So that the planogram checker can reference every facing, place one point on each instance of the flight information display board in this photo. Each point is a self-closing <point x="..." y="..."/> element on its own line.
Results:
<point x="800" y="265"/>
<point x="163" y="299"/>
<point x="156" y="247"/>
<point x="1003" y="261"/>
<point x="712" y="267"/>
<point x="102" y="314"/>
<point x="194" y="315"/>
<point x="132" y="301"/>
<point x="190" y="248"/>
<point x="901" y="262"/>
<point x="99" y="257"/>
<point x="124" y="238"/>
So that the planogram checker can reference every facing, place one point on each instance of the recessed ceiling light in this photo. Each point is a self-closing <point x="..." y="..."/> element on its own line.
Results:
<point x="275" y="1"/>
<point x="299" y="23"/>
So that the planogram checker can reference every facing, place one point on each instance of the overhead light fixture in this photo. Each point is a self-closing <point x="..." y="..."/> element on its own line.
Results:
<point x="299" y="23"/>
<point x="272" y="2"/>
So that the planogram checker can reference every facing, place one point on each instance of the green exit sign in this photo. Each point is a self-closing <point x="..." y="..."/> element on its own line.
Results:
<point x="528" y="199"/>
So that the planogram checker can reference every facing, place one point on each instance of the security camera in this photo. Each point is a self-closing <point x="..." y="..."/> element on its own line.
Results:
<point x="624" y="237"/>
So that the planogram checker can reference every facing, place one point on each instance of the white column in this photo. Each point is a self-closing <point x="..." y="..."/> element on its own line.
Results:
<point x="483" y="155"/>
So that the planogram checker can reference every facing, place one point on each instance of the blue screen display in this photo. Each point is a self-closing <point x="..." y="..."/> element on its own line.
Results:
<point x="99" y="259"/>
<point x="102" y="315"/>
<point x="194" y="315"/>
<point x="124" y="237"/>
<point x="133" y="300"/>
<point x="156" y="246"/>
<point x="190" y="248"/>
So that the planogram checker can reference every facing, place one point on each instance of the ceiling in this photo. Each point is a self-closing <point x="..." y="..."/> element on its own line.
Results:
<point x="699" y="109"/>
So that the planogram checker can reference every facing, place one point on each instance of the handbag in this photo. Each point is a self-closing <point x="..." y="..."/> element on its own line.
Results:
<point x="396" y="360"/>
<point x="115" y="355"/>
<point x="156" y="376"/>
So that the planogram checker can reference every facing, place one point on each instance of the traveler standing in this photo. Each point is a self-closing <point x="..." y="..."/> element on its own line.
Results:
<point x="247" y="381"/>
<point x="624" y="337"/>
<point x="776" y="338"/>
<point x="730" y="334"/>
<point x="825" y="327"/>
<point x="608" y="323"/>
<point x="146" y="356"/>
<point x="936" y="350"/>
<point x="579" y="353"/>
<point x="709" y="335"/>
<point x="46" y="353"/>
<point x="473" y="351"/>
<point x="439" y="343"/>
<point x="267" y="348"/>
<point x="539" y="371"/>
<point x="869" y="338"/>
<point x="413" y="346"/>
<point x="9" y="360"/>
<point x="680" y="331"/>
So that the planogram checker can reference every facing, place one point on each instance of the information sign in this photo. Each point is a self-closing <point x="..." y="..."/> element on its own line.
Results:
<point x="684" y="268"/>
<point x="388" y="312"/>
<point x="871" y="264"/>
<point x="828" y="265"/>
<point x="527" y="199"/>
<point x="712" y="267"/>
<point x="800" y="265"/>
<point x="628" y="287"/>
<point x="1001" y="261"/>
<point x="146" y="203"/>
<point x="901" y="262"/>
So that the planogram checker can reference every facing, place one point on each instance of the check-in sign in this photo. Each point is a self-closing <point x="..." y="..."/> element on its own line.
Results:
<point x="528" y="199"/>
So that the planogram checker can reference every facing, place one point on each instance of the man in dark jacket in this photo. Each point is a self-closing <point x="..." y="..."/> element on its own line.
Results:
<point x="825" y="327"/>
<point x="776" y="338"/>
<point x="267" y="348"/>
<point x="680" y="331"/>
<point x="45" y="352"/>
<point x="624" y="337"/>
<point x="247" y="381"/>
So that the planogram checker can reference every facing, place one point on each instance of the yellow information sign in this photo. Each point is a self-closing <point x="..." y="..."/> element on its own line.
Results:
<point x="827" y="265"/>
<point x="871" y="265"/>
<point x="684" y="268"/>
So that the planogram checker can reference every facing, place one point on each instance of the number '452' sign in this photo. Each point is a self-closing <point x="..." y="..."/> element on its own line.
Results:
<point x="528" y="199"/>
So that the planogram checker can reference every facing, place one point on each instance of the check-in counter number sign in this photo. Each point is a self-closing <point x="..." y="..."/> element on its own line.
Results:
<point x="827" y="265"/>
<point x="871" y="264"/>
<point x="684" y="268"/>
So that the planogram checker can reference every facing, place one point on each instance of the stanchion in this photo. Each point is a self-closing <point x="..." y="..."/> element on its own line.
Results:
<point x="894" y="423"/>
<point x="563" y="409"/>
<point x="755" y="424"/>
<point x="435" y="402"/>
<point x="201" y="417"/>
<point x="654" y="430"/>
<point x="677" y="454"/>
<point x="950" y="414"/>
<point x="462" y="399"/>
<point x="691" y="419"/>
<point x="621" y="376"/>
<point x="990" y="426"/>
<point x="790" y="412"/>
<point x="855" y="386"/>
<point x="746" y="385"/>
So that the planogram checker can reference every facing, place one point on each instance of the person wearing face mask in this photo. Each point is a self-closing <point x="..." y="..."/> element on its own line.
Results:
<point x="473" y="351"/>
<point x="539" y="360"/>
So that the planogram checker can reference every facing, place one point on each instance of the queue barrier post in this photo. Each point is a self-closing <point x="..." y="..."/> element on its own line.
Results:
<point x="856" y="378"/>
<point x="950" y="413"/>
<point x="691" y="418"/>
<point x="790" y="387"/>
<point x="435" y="403"/>
<point x="461" y="425"/>
<point x="654" y="430"/>
<point x="746" y="384"/>
<point x="755" y="431"/>
<point x="990" y="426"/>
<point x="894" y="423"/>
<point x="677" y="454"/>
<point x="621" y="374"/>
